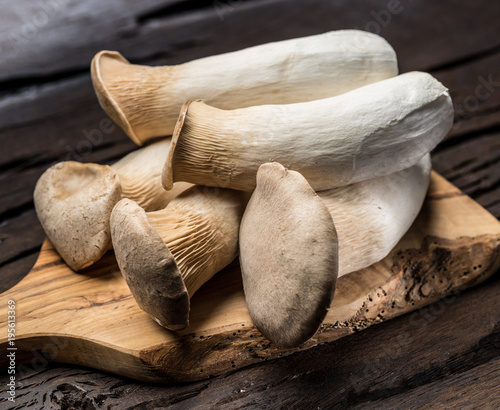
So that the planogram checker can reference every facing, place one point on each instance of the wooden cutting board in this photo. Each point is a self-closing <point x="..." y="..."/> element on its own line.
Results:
<point x="91" y="319"/>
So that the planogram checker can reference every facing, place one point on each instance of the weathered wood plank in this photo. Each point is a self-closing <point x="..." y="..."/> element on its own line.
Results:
<point x="20" y="236"/>
<point x="390" y="360"/>
<point x="57" y="36"/>
<point x="475" y="92"/>
<point x="474" y="166"/>
<point x="13" y="272"/>
<point x="40" y="38"/>
<point x="426" y="35"/>
<point x="471" y="389"/>
<point x="73" y="134"/>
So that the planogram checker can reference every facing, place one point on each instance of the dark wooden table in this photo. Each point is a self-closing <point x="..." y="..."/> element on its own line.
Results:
<point x="444" y="356"/>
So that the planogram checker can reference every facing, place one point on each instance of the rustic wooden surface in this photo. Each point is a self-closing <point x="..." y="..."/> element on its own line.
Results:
<point x="447" y="355"/>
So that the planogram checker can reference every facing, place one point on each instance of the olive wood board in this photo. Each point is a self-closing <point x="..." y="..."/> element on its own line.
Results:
<point x="90" y="318"/>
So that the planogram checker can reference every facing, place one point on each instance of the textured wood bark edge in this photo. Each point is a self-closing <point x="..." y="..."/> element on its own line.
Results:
<point x="440" y="268"/>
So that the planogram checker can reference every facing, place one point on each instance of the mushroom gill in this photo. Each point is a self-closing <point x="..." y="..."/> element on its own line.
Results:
<point x="165" y="256"/>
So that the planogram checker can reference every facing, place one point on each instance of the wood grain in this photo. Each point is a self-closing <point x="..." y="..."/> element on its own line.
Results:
<point x="394" y="362"/>
<point x="46" y="102"/>
<point x="91" y="319"/>
<point x="462" y="390"/>
<point x="178" y="28"/>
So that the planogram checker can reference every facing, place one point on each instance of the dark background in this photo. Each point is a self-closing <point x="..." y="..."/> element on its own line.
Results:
<point x="48" y="113"/>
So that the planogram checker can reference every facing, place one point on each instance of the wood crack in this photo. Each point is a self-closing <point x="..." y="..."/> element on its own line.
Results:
<point x="12" y="85"/>
<point x="459" y="139"/>
<point x="171" y="10"/>
<point x="21" y="255"/>
<point x="23" y="164"/>
<point x="12" y="213"/>
<point x="484" y="351"/>
<point x="458" y="171"/>
<point x="482" y="191"/>
<point x="464" y="60"/>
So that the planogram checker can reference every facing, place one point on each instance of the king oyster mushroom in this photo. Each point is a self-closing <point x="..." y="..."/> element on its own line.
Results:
<point x="165" y="256"/>
<point x="145" y="101"/>
<point x="288" y="256"/>
<point x="74" y="201"/>
<point x="372" y="131"/>
<point x="291" y="239"/>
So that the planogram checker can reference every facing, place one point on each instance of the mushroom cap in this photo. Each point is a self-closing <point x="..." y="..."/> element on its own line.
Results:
<point x="106" y="65"/>
<point x="167" y="175"/>
<point x="148" y="266"/>
<point x="73" y="202"/>
<point x="288" y="255"/>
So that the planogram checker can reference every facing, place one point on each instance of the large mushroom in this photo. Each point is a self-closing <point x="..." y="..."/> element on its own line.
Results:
<point x="372" y="131"/>
<point x="291" y="239"/>
<point x="289" y="256"/>
<point x="145" y="101"/>
<point x="74" y="201"/>
<point x="165" y="256"/>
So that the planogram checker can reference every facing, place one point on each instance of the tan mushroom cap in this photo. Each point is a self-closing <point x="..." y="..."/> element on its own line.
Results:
<point x="106" y="70"/>
<point x="73" y="202"/>
<point x="149" y="267"/>
<point x="288" y="255"/>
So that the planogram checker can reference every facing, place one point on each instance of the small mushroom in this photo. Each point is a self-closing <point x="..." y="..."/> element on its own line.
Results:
<point x="165" y="256"/>
<point x="372" y="131"/>
<point x="74" y="201"/>
<point x="292" y="238"/>
<point x="288" y="255"/>
<point x="145" y="101"/>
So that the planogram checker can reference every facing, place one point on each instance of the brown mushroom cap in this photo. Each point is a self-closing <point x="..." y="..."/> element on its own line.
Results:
<point x="148" y="266"/>
<point x="73" y="202"/>
<point x="288" y="255"/>
<point x="107" y="66"/>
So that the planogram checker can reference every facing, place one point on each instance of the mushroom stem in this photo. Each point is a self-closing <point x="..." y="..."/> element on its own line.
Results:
<point x="145" y="101"/>
<point x="372" y="216"/>
<point x="165" y="256"/>
<point x="74" y="201"/>
<point x="372" y="131"/>
<point x="140" y="176"/>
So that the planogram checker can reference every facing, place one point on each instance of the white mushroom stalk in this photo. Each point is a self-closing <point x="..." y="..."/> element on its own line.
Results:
<point x="145" y="101"/>
<point x="372" y="131"/>
<point x="165" y="256"/>
<point x="74" y="201"/>
<point x="140" y="176"/>
<point x="372" y="216"/>
<point x="290" y="236"/>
